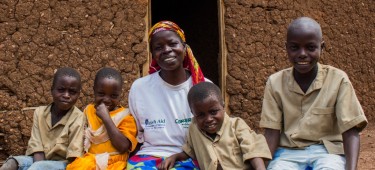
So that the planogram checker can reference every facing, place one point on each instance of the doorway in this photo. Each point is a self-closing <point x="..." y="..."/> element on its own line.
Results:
<point x="200" y="22"/>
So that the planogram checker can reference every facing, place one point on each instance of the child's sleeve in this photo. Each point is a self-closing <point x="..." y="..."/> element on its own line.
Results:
<point x="188" y="147"/>
<point x="271" y="116"/>
<point x="76" y="136"/>
<point x="349" y="111"/>
<point x="128" y="128"/>
<point x="252" y="144"/>
<point x="35" y="141"/>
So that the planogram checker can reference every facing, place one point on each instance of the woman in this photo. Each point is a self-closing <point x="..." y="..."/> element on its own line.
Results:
<point x="158" y="101"/>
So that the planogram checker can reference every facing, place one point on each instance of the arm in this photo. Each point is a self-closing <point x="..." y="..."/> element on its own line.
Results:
<point x="34" y="146"/>
<point x="351" y="120"/>
<point x="169" y="162"/>
<point x="118" y="140"/>
<point x="256" y="163"/>
<point x="273" y="140"/>
<point x="351" y="148"/>
<point x="76" y="136"/>
<point x="271" y="117"/>
<point x="253" y="146"/>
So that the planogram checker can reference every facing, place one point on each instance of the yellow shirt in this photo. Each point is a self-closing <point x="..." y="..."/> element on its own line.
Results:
<point x="62" y="141"/>
<point x="116" y="161"/>
<point x="320" y="116"/>
<point x="126" y="126"/>
<point x="234" y="143"/>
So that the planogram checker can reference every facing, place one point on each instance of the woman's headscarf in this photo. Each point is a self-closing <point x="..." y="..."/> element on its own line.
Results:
<point x="189" y="63"/>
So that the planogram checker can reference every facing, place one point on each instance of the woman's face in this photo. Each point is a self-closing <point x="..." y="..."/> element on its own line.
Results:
<point x="168" y="50"/>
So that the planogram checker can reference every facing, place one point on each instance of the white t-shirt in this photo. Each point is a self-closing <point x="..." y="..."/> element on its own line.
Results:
<point x="162" y="114"/>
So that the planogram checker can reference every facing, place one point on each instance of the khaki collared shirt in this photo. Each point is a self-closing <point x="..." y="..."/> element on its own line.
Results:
<point x="62" y="141"/>
<point x="234" y="143"/>
<point x="320" y="116"/>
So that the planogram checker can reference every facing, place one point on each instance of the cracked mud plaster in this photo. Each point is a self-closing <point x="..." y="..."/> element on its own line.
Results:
<point x="37" y="37"/>
<point x="255" y="37"/>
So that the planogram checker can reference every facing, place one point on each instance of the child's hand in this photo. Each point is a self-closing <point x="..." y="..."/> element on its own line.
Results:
<point x="167" y="163"/>
<point x="101" y="111"/>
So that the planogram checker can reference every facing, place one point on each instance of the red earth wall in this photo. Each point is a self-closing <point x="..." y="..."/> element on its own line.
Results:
<point x="37" y="37"/>
<point x="255" y="37"/>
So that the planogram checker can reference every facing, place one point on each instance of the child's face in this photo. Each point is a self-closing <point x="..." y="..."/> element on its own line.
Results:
<point x="66" y="92"/>
<point x="209" y="114"/>
<point x="168" y="50"/>
<point x="304" y="47"/>
<point x="108" y="91"/>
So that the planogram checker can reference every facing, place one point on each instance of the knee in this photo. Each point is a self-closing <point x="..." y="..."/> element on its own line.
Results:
<point x="10" y="164"/>
<point x="337" y="162"/>
<point x="282" y="165"/>
<point x="48" y="165"/>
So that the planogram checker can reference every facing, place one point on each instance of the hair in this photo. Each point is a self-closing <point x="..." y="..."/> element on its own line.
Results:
<point x="108" y="72"/>
<point x="304" y="23"/>
<point x="202" y="90"/>
<point x="65" y="71"/>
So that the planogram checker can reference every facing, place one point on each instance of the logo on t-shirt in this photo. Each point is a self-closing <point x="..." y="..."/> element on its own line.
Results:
<point x="154" y="124"/>
<point x="183" y="122"/>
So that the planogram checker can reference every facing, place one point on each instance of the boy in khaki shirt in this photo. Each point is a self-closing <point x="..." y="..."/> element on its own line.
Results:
<point x="310" y="112"/>
<point x="57" y="131"/>
<point x="216" y="140"/>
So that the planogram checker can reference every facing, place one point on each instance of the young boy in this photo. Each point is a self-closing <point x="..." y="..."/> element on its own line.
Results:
<point x="310" y="113"/>
<point x="216" y="140"/>
<point x="57" y="132"/>
<point x="111" y="132"/>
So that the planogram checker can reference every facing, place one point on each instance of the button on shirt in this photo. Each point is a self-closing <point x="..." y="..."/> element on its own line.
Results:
<point x="234" y="143"/>
<point x="320" y="116"/>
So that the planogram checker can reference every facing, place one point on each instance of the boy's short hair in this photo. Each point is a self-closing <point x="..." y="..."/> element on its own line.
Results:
<point x="202" y="90"/>
<point x="304" y="22"/>
<point x="108" y="72"/>
<point x="65" y="71"/>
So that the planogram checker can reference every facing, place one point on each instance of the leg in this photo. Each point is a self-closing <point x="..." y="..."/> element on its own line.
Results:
<point x="10" y="164"/>
<point x="186" y="165"/>
<point x="143" y="162"/>
<point x="286" y="159"/>
<point x="321" y="159"/>
<point x="17" y="162"/>
<point x="48" y="165"/>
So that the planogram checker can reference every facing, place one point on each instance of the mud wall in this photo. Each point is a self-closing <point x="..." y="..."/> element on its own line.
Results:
<point x="255" y="36"/>
<point x="37" y="37"/>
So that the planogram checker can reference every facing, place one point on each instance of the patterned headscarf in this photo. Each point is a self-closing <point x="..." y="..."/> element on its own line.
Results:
<point x="189" y="63"/>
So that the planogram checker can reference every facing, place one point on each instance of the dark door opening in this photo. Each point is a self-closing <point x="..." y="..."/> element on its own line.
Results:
<point x="199" y="20"/>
